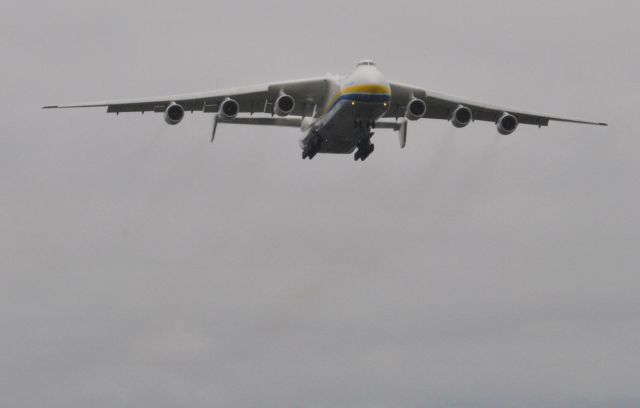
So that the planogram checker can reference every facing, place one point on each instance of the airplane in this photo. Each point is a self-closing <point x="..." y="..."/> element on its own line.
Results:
<point x="335" y="114"/>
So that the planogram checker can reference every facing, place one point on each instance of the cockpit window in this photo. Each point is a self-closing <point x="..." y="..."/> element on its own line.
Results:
<point x="365" y="62"/>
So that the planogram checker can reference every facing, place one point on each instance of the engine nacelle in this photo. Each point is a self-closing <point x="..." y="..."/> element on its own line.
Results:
<point x="173" y="114"/>
<point x="507" y="124"/>
<point x="461" y="116"/>
<point x="416" y="108"/>
<point x="284" y="105"/>
<point x="229" y="109"/>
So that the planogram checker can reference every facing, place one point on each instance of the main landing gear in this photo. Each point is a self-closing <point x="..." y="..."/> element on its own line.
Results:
<point x="365" y="148"/>
<point x="312" y="148"/>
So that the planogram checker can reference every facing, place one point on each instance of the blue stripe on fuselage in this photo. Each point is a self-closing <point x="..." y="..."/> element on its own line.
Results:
<point x="359" y="97"/>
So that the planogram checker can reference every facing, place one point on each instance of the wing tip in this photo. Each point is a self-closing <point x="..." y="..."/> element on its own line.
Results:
<point x="51" y="107"/>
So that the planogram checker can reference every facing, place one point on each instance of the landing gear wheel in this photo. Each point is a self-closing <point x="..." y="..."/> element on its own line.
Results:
<point x="363" y="152"/>
<point x="306" y="154"/>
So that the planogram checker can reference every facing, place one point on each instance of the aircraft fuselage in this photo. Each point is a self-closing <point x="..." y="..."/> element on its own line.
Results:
<point x="346" y="121"/>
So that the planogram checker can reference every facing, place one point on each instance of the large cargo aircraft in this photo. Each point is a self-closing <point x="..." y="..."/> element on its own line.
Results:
<point x="335" y="114"/>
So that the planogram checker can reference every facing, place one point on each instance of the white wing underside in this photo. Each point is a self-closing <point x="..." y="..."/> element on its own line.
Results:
<point x="312" y="93"/>
<point x="308" y="93"/>
<point x="440" y="106"/>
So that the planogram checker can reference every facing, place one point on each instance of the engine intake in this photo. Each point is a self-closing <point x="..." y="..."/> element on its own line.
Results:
<point x="507" y="124"/>
<point x="461" y="116"/>
<point x="229" y="109"/>
<point x="173" y="114"/>
<point x="416" y="108"/>
<point x="284" y="105"/>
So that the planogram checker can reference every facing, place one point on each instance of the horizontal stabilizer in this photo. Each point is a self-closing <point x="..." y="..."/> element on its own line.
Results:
<point x="286" y="122"/>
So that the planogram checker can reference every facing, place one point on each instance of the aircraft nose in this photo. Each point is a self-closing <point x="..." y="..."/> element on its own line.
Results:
<point x="375" y="76"/>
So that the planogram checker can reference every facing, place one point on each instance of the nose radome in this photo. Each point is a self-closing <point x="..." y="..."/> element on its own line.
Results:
<point x="373" y="75"/>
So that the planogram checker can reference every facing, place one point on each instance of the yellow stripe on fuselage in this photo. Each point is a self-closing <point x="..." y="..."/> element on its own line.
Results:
<point x="366" y="89"/>
<point x="370" y="89"/>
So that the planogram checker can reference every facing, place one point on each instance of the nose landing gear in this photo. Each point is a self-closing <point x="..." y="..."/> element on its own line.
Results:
<point x="362" y="125"/>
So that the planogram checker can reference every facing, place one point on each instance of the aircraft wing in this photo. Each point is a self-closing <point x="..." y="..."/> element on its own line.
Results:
<point x="307" y="93"/>
<point x="441" y="106"/>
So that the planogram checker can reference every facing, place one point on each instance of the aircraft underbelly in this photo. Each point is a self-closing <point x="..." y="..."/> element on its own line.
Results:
<point x="338" y="130"/>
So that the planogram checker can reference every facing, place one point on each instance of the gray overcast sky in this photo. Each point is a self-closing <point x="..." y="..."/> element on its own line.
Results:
<point x="143" y="267"/>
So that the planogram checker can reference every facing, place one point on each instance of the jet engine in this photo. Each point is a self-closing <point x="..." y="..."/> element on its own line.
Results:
<point x="229" y="109"/>
<point x="284" y="105"/>
<point x="416" y="108"/>
<point x="173" y="114"/>
<point x="507" y="124"/>
<point x="461" y="116"/>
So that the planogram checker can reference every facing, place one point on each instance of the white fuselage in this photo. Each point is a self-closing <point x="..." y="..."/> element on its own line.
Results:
<point x="353" y="103"/>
